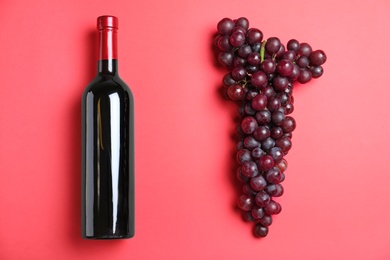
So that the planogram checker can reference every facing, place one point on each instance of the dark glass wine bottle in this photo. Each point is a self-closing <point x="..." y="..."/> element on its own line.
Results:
<point x="108" y="145"/>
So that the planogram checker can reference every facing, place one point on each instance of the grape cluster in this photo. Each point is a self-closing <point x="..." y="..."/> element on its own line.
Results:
<point x="260" y="78"/>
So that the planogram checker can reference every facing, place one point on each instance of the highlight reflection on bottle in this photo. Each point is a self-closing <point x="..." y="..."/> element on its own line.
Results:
<point x="108" y="145"/>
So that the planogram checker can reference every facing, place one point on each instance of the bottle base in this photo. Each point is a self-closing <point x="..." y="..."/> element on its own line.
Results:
<point x="107" y="237"/>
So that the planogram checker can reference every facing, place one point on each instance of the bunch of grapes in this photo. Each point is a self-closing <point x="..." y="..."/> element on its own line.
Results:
<point x="261" y="77"/>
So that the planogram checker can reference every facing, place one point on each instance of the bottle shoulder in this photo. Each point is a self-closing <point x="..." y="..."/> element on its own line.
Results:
<point x="106" y="85"/>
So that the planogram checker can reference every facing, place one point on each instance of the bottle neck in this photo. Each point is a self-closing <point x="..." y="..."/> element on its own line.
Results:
<point x="108" y="51"/>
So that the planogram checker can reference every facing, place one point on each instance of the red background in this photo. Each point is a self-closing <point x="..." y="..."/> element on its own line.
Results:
<point x="336" y="191"/>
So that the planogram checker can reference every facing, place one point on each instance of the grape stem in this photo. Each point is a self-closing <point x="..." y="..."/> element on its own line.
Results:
<point x="243" y="83"/>
<point x="262" y="50"/>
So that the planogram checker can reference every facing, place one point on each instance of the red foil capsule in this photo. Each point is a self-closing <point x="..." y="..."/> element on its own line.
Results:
<point x="107" y="21"/>
<point x="108" y="26"/>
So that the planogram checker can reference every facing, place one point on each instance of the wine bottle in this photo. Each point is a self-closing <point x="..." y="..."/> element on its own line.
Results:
<point x="107" y="145"/>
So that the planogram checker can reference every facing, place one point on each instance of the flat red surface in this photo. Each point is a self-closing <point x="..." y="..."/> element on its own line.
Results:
<point x="336" y="197"/>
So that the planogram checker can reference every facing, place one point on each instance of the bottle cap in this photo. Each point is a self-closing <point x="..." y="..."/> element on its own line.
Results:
<point x="107" y="21"/>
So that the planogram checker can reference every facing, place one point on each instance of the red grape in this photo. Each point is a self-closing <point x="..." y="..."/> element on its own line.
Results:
<point x="261" y="79"/>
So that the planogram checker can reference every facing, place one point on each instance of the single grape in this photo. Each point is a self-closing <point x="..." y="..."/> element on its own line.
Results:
<point x="258" y="183"/>
<point x="289" y="55"/>
<point x="263" y="117"/>
<point x="274" y="190"/>
<point x="245" y="202"/>
<point x="249" y="110"/>
<point x="251" y="143"/>
<point x="265" y="163"/>
<point x="259" y="102"/>
<point x="244" y="51"/>
<point x="243" y="22"/>
<point x="261" y="133"/>
<point x="235" y="92"/>
<point x="276" y="132"/>
<point x="248" y="190"/>
<point x="317" y="58"/>
<point x="225" y="26"/>
<point x="304" y="49"/>
<point x="228" y="80"/>
<point x="304" y="76"/>
<point x="260" y="230"/>
<point x="284" y="143"/>
<point x="224" y="43"/>
<point x="239" y="62"/>
<point x="302" y="62"/>
<point x="249" y="169"/>
<point x="239" y="73"/>
<point x="285" y="67"/>
<point x="276" y="153"/>
<point x="316" y="71"/>
<point x="268" y="143"/>
<point x="247" y="216"/>
<point x="254" y="36"/>
<point x="274" y="175"/>
<point x="272" y="208"/>
<point x="237" y="39"/>
<point x="266" y="220"/>
<point x="257" y="153"/>
<point x="282" y="166"/>
<point x="273" y="45"/>
<point x="254" y="58"/>
<point x="226" y="58"/>
<point x="268" y="91"/>
<point x="293" y="45"/>
<point x="268" y="66"/>
<point x="280" y="83"/>
<point x="243" y="155"/>
<point x="295" y="73"/>
<point x="257" y="212"/>
<point x="259" y="79"/>
<point x="262" y="198"/>
<point x="241" y="177"/>
<point x="278" y="118"/>
<point x="288" y="124"/>
<point x="249" y="124"/>
<point x="274" y="104"/>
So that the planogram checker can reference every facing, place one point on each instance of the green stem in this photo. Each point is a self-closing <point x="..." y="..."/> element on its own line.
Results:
<point x="243" y="83"/>
<point x="262" y="50"/>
